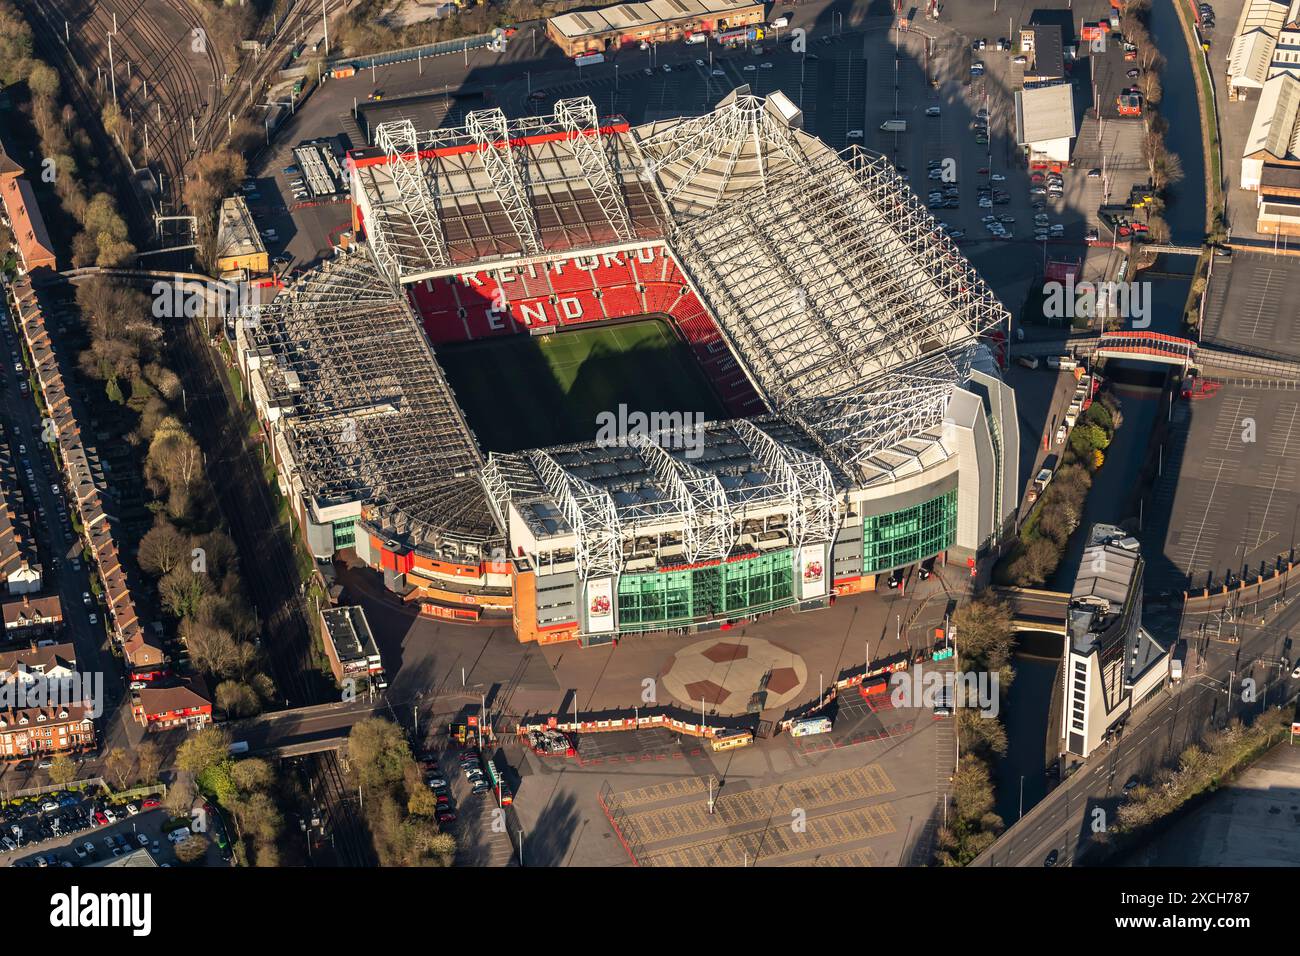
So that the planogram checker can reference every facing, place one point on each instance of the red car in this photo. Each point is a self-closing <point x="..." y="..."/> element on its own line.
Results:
<point x="100" y="818"/>
<point x="443" y="800"/>
<point x="446" y="816"/>
<point x="150" y="804"/>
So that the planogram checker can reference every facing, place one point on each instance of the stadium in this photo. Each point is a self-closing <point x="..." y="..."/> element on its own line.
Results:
<point x="432" y="395"/>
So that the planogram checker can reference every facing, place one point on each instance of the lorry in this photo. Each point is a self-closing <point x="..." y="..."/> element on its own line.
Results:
<point x="894" y="126"/>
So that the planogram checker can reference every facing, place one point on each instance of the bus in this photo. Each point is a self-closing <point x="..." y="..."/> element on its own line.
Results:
<point x="731" y="739"/>
<point x="809" y="726"/>
<point x="499" y="783"/>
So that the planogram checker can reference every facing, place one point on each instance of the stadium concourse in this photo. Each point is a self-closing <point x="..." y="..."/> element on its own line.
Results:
<point x="853" y="350"/>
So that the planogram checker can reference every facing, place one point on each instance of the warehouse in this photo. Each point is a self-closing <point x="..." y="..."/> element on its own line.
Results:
<point x="659" y="21"/>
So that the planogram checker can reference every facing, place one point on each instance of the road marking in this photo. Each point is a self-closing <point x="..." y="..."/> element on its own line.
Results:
<point x="1191" y="564"/>
<point x="1286" y="441"/>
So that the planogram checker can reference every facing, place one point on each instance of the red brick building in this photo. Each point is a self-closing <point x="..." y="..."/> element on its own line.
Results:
<point x="166" y="708"/>
<point x="33" y="731"/>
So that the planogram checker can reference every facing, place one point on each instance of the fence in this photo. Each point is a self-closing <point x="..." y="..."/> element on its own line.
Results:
<point x="366" y="61"/>
<point x="54" y="788"/>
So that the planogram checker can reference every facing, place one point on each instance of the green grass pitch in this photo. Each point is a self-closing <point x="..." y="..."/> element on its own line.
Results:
<point x="534" y="391"/>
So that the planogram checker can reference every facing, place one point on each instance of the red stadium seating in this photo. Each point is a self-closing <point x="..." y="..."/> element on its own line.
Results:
<point x="434" y="300"/>
<point x="563" y="292"/>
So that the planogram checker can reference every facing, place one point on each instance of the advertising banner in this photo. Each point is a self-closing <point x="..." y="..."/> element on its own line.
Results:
<point x="600" y="605"/>
<point x="812" y="571"/>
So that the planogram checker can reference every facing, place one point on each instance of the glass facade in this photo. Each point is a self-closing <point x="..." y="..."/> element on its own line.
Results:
<point x="676" y="598"/>
<point x="345" y="533"/>
<point x="907" y="536"/>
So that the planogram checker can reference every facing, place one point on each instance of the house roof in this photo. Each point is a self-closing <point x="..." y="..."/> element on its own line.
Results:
<point x="162" y="700"/>
<point x="26" y="222"/>
<point x="28" y="610"/>
<point x="42" y="659"/>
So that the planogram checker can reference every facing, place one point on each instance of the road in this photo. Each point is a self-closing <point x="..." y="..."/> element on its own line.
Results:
<point x="1065" y="819"/>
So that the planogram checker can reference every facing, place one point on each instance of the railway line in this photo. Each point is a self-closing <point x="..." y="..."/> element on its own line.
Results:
<point x="351" y="840"/>
<point x="146" y="60"/>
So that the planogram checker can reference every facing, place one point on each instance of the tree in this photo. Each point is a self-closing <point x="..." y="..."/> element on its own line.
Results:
<point x="204" y="750"/>
<point x="192" y="849"/>
<point x="62" y="770"/>
<point x="118" y="766"/>
<point x="43" y="82"/>
<point x="174" y="465"/>
<point x="148" y="761"/>
<point x="162" y="549"/>
<point x="237" y="699"/>
<point x="972" y="790"/>
<point x="984" y="635"/>
<point x="180" y="795"/>
<point x="182" y="589"/>
<point x="378" y="752"/>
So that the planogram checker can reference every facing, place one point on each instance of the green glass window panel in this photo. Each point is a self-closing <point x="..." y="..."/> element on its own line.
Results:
<point x="910" y="534"/>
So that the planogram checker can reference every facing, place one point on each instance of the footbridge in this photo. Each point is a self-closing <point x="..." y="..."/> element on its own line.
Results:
<point x="1036" y="610"/>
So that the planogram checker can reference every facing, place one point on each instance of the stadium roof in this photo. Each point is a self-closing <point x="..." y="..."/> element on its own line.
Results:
<point x="367" y="411"/>
<point x="854" y="315"/>
<point x="437" y="202"/>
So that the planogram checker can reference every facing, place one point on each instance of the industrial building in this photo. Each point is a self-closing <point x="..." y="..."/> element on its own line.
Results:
<point x="658" y="21"/>
<point x="350" y="645"/>
<point x="1111" y="663"/>
<point x="1045" y="122"/>
<point x="240" y="251"/>
<point x="854" y="349"/>
<point x="1274" y="137"/>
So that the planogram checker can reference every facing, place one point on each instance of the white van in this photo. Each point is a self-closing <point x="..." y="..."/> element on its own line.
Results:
<point x="894" y="126"/>
<point x="782" y="21"/>
<point x="697" y="38"/>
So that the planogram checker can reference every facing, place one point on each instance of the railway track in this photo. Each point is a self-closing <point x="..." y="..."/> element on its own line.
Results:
<point x="351" y="839"/>
<point x="144" y="59"/>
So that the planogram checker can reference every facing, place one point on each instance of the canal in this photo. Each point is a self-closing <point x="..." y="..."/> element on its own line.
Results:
<point x="1141" y="390"/>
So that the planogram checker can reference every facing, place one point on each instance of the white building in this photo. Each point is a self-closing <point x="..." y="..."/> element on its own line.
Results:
<point x="1111" y="662"/>
<point x="1274" y="136"/>
<point x="1045" y="122"/>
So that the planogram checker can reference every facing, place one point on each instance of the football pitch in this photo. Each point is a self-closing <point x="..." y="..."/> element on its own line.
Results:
<point x="533" y="391"/>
